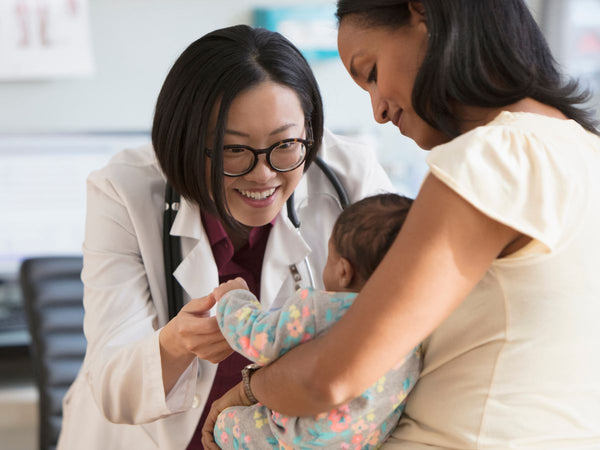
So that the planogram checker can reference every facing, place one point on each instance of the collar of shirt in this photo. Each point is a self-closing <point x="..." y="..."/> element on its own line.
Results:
<point x="217" y="236"/>
<point x="247" y="260"/>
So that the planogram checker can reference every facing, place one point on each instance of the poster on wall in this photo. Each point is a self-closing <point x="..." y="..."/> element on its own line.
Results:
<point x="312" y="28"/>
<point x="44" y="39"/>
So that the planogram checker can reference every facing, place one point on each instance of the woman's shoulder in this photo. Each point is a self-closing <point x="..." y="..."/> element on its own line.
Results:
<point x="521" y="129"/>
<point x="530" y="172"/>
<point x="354" y="161"/>
<point x="346" y="150"/>
<point x="139" y="156"/>
<point x="127" y="163"/>
<point x="542" y="126"/>
<point x="516" y="140"/>
<point x="129" y="173"/>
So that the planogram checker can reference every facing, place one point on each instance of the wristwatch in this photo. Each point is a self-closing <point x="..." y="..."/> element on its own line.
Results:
<point x="246" y="375"/>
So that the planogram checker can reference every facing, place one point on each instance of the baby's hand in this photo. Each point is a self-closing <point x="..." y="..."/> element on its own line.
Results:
<point x="224" y="288"/>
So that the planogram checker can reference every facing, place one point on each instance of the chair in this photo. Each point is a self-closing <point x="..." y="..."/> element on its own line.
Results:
<point x="53" y="301"/>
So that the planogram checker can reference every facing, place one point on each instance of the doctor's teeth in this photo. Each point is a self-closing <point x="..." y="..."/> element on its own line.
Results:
<point x="257" y="195"/>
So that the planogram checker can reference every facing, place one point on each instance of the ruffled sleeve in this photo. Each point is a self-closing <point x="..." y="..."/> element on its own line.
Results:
<point x="516" y="177"/>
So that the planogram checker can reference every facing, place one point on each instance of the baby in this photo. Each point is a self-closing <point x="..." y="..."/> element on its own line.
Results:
<point x="360" y="239"/>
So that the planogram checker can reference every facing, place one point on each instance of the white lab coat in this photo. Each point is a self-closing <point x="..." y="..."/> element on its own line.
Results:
<point x="117" y="400"/>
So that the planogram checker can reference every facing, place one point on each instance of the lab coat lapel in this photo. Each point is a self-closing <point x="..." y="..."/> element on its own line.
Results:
<point x="285" y="247"/>
<point x="197" y="273"/>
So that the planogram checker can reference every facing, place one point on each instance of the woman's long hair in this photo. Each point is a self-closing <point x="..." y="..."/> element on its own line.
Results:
<point x="484" y="53"/>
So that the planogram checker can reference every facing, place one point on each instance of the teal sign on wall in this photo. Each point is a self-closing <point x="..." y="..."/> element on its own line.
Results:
<point x="312" y="28"/>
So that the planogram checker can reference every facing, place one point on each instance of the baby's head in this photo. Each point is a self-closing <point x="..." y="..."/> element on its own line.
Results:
<point x="361" y="236"/>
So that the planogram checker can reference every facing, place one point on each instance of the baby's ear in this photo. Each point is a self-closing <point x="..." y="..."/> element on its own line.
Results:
<point x="346" y="272"/>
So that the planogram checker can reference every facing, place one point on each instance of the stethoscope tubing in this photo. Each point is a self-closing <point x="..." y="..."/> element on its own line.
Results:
<point x="171" y="252"/>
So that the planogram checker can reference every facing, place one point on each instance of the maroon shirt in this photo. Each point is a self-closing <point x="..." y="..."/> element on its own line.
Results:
<point x="245" y="263"/>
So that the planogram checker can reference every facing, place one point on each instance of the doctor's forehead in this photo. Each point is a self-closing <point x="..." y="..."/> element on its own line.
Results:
<point x="266" y="110"/>
<point x="274" y="132"/>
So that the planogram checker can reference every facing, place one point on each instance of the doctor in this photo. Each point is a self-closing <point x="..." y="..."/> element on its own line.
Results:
<point x="238" y="122"/>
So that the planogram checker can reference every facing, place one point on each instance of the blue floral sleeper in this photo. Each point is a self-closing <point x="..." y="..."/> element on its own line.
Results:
<point x="263" y="336"/>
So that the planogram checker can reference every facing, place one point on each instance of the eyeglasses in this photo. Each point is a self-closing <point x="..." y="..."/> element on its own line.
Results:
<point x="283" y="156"/>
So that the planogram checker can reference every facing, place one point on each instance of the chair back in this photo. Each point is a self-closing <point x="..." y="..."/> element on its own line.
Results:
<point x="53" y="302"/>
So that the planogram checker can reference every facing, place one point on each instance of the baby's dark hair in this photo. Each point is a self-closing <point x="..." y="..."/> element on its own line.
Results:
<point x="365" y="230"/>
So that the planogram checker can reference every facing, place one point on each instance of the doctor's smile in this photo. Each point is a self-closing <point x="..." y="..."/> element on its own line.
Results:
<point x="258" y="198"/>
<point x="257" y="195"/>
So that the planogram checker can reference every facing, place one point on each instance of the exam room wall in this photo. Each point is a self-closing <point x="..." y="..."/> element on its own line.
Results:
<point x="135" y="43"/>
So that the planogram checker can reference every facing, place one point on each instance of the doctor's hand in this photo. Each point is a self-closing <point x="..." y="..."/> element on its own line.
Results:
<point x="191" y="333"/>
<point x="196" y="332"/>
<point x="234" y="397"/>
<point x="224" y="288"/>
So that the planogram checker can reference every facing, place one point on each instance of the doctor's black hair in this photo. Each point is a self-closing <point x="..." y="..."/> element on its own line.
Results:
<point x="483" y="53"/>
<point x="211" y="73"/>
<point x="364" y="231"/>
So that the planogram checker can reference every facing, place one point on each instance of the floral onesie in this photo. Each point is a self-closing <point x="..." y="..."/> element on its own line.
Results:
<point x="263" y="336"/>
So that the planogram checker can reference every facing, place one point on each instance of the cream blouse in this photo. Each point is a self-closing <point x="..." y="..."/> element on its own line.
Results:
<point x="517" y="365"/>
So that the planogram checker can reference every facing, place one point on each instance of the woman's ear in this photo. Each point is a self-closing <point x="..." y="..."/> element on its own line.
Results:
<point x="417" y="18"/>
<point x="417" y="12"/>
<point x="345" y="272"/>
<point x="417" y="7"/>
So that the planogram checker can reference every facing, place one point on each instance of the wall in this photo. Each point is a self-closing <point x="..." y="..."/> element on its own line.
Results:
<point x="134" y="44"/>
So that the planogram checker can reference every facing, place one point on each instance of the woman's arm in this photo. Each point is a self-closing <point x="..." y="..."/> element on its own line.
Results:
<point x="126" y="354"/>
<point x="443" y="250"/>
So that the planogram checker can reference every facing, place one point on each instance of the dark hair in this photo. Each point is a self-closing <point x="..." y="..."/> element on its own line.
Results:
<point x="365" y="230"/>
<point x="213" y="71"/>
<point x="485" y="53"/>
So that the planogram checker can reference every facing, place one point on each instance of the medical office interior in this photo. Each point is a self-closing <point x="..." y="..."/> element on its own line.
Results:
<point x="78" y="82"/>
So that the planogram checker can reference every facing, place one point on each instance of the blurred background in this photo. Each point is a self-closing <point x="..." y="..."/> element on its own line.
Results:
<point x="78" y="82"/>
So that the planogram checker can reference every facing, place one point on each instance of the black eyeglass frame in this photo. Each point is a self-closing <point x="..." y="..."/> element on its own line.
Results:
<point x="308" y="143"/>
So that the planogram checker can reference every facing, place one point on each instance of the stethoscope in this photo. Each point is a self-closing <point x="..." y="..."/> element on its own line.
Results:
<point x="172" y="244"/>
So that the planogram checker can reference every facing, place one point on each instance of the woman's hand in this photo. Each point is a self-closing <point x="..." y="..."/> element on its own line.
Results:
<point x="224" y="288"/>
<point x="234" y="397"/>
<point x="192" y="332"/>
